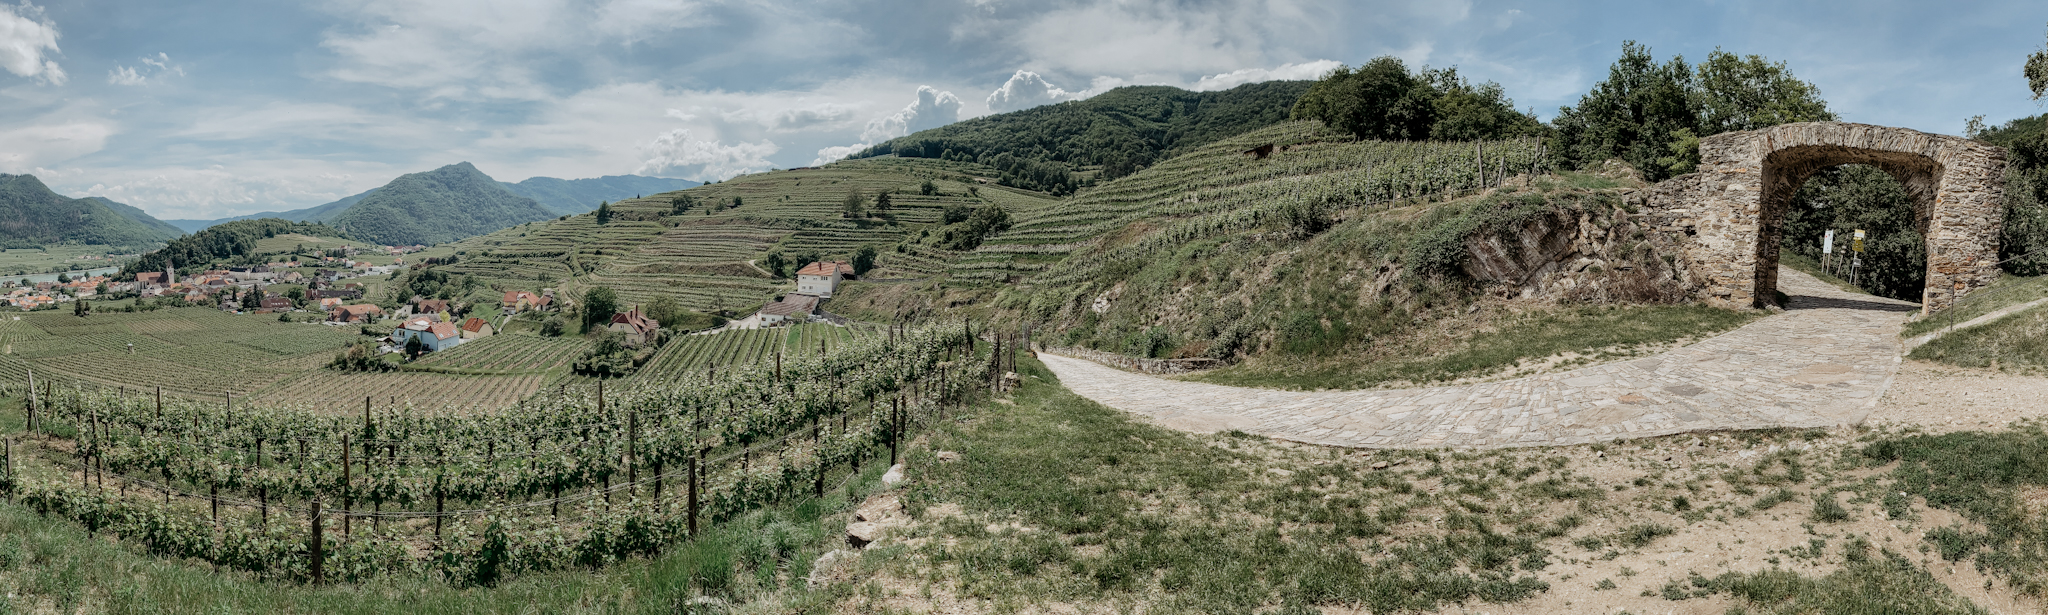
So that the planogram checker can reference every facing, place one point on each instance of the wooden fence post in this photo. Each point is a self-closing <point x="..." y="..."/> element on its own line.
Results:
<point x="818" y="445"/>
<point x="632" y="459"/>
<point x="345" y="480"/>
<point x="31" y="401"/>
<point x="895" y="426"/>
<point x="315" y="549"/>
<point x="692" y="471"/>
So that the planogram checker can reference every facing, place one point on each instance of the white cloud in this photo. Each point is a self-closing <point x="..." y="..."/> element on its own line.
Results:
<point x="45" y="143"/>
<point x="932" y="109"/>
<point x="675" y="151"/>
<point x="27" y="36"/>
<point x="217" y="190"/>
<point x="151" y="68"/>
<point x="836" y="153"/>
<point x="1025" y="90"/>
<point x="1284" y="72"/>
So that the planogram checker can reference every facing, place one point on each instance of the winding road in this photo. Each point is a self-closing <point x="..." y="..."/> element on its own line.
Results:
<point x="1823" y="362"/>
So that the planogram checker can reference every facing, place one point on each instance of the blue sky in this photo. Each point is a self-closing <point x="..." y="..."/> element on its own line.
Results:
<point x="208" y="108"/>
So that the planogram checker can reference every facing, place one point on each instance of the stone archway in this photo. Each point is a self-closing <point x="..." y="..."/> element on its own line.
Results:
<point x="1729" y="217"/>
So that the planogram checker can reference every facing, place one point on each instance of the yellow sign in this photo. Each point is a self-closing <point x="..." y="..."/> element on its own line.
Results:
<point x="1856" y="243"/>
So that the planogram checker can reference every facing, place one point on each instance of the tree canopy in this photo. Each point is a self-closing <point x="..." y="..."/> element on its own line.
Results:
<point x="1384" y="100"/>
<point x="1652" y="115"/>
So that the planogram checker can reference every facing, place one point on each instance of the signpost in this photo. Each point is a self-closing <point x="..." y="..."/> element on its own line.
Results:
<point x="1827" y="249"/>
<point x="1856" y="260"/>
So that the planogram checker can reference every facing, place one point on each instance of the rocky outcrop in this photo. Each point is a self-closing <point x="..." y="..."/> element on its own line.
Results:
<point x="1601" y="253"/>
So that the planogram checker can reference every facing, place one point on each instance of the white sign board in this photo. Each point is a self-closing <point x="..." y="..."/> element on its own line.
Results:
<point x="1827" y="243"/>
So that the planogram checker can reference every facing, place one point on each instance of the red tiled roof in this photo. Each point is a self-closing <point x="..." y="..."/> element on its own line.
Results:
<point x="634" y="319"/>
<point x="443" y="330"/>
<point x="791" y="305"/>
<point x="474" y="325"/>
<point x="826" y="268"/>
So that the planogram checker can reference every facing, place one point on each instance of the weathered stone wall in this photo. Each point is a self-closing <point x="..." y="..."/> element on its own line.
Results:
<point x="1729" y="217"/>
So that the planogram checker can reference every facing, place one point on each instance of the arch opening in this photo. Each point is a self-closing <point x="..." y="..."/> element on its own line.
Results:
<point x="1891" y="198"/>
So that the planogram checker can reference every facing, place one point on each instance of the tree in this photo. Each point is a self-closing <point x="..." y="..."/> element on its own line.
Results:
<point x="63" y="278"/>
<point x="736" y="202"/>
<point x="598" y="305"/>
<point x="413" y="347"/>
<point x="882" y="202"/>
<point x="2037" y="73"/>
<point x="854" y="205"/>
<point x="1380" y="100"/>
<point x="863" y="260"/>
<point x="79" y="308"/>
<point x="775" y="262"/>
<point x="956" y="213"/>
<point x="928" y="188"/>
<point x="1652" y="116"/>
<point x="665" y="309"/>
<point x="604" y="212"/>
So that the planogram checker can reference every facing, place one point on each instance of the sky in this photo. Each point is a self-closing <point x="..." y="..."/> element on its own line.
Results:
<point x="211" y="108"/>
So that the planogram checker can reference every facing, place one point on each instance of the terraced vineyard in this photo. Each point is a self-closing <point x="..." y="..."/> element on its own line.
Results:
<point x="694" y="353"/>
<point x="509" y="353"/>
<point x="708" y="257"/>
<point x="341" y="393"/>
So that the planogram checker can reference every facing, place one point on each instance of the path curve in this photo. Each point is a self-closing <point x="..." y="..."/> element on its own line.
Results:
<point x="1823" y="362"/>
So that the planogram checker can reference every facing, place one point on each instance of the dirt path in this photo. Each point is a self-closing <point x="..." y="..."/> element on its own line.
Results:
<point x="1824" y="362"/>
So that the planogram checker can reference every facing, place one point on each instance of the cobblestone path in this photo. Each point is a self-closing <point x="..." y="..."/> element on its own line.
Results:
<point x="1823" y="362"/>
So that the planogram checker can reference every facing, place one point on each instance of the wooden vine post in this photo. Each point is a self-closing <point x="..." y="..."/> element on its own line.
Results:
<point x="692" y="471"/>
<point x="31" y="401"/>
<point x="345" y="502"/>
<point x="818" y="444"/>
<point x="632" y="458"/>
<point x="314" y="547"/>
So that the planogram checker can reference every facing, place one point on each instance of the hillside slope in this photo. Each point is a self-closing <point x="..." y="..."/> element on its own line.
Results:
<point x="575" y="196"/>
<point x="1120" y="131"/>
<point x="442" y="205"/>
<point x="32" y="215"/>
<point x="143" y="218"/>
<point x="711" y="252"/>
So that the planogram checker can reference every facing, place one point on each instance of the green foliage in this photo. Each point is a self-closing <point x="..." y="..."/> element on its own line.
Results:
<point x="1852" y="197"/>
<point x="430" y="283"/>
<point x="854" y="205"/>
<point x="604" y="213"/>
<point x="596" y="306"/>
<point x="442" y="205"/>
<point x="1644" y="111"/>
<point x="1123" y="130"/>
<point x="1863" y="586"/>
<point x="987" y="220"/>
<point x="233" y="242"/>
<point x="361" y="357"/>
<point x="1383" y="100"/>
<point x="2037" y="73"/>
<point x="1979" y="475"/>
<point x="2024" y="242"/>
<point x="863" y="260"/>
<point x="607" y="357"/>
<point x="31" y="215"/>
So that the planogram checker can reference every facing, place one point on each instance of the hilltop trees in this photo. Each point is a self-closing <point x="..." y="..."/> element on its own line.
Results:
<point x="598" y="305"/>
<point x="1383" y="100"/>
<point x="1652" y="115"/>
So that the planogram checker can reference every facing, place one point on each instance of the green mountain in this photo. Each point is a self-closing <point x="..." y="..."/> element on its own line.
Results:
<point x="575" y="196"/>
<point x="1120" y="131"/>
<point x="31" y="215"/>
<point x="140" y="217"/>
<point x="442" y="205"/>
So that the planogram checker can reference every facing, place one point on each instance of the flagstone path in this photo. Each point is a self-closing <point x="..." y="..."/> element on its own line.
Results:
<point x="1823" y="362"/>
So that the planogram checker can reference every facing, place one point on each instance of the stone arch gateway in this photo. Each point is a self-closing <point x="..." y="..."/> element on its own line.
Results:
<point x="1729" y="217"/>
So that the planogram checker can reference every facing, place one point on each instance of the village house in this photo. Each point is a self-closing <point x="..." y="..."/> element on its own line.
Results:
<point x="638" y="328"/>
<point x="433" y="336"/>
<point x="822" y="277"/>
<point x="517" y="301"/>
<point x="273" y="302"/>
<point x="358" y="314"/>
<point x="475" y="328"/>
<point x="429" y="306"/>
<point x="792" y="307"/>
<point x="328" y="304"/>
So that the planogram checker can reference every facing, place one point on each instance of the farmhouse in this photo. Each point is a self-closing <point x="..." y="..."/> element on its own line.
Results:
<point x="475" y="328"/>
<point x="517" y="301"/>
<point x="822" y="277"/>
<point x="639" y="329"/>
<point x="360" y="313"/>
<point x="433" y="336"/>
<point x="273" y="302"/>
<point x="792" y="307"/>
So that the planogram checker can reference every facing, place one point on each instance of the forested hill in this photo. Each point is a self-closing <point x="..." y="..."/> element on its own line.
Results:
<point x="229" y="242"/>
<point x="442" y="205"/>
<point x="575" y="196"/>
<point x="31" y="215"/>
<point x="1121" y="131"/>
<point x="143" y="218"/>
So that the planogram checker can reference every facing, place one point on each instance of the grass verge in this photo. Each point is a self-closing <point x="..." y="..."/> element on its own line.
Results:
<point x="2008" y="290"/>
<point x="2016" y="341"/>
<point x="1549" y="338"/>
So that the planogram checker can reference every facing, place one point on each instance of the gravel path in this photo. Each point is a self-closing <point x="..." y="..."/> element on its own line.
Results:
<point x="1824" y="362"/>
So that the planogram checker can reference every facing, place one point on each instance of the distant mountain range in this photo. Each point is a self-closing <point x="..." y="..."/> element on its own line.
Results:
<point x="445" y="204"/>
<point x="561" y="196"/>
<point x="32" y="215"/>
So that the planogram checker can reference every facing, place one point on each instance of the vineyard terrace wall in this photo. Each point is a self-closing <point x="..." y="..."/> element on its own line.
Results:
<point x="1729" y="217"/>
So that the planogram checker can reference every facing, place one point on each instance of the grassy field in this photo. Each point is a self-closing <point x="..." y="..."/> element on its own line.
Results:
<point x="55" y="259"/>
